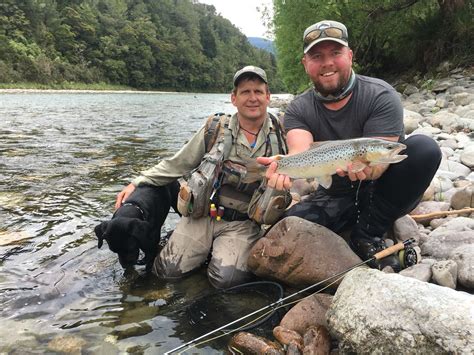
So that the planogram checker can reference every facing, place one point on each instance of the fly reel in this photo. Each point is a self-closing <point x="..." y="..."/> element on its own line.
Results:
<point x="408" y="257"/>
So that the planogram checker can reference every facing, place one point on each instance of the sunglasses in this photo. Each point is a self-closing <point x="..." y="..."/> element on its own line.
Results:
<point x="331" y="32"/>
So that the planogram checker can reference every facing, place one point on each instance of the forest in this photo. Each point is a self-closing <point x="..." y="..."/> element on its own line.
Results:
<point x="183" y="45"/>
<point x="390" y="38"/>
<point x="177" y="45"/>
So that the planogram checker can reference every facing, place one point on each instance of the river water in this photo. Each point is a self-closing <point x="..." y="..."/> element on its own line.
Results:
<point x="63" y="158"/>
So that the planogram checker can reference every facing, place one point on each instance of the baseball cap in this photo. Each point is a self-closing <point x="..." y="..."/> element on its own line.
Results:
<point x="325" y="31"/>
<point x="250" y="69"/>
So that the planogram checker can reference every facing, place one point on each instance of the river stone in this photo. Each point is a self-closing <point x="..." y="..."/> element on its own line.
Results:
<point x="426" y="130"/>
<point x="463" y="99"/>
<point x="438" y="222"/>
<point x="464" y="258"/>
<point x="310" y="311"/>
<point x="457" y="232"/>
<point x="444" y="120"/>
<point x="445" y="273"/>
<point x="467" y="157"/>
<point x="410" y="90"/>
<point x="449" y="143"/>
<point x="287" y="336"/>
<point x="411" y="120"/>
<point x="420" y="272"/>
<point x="443" y="85"/>
<point x="462" y="198"/>
<point x="405" y="227"/>
<point x="317" y="341"/>
<point x="248" y="343"/>
<point x="426" y="207"/>
<point x="300" y="253"/>
<point x="69" y="344"/>
<point x="377" y="313"/>
<point x="441" y="102"/>
<point x="454" y="167"/>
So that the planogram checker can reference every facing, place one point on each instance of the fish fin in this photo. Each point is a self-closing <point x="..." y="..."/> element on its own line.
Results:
<point x="325" y="181"/>
<point x="389" y="160"/>
<point x="255" y="171"/>
<point x="358" y="166"/>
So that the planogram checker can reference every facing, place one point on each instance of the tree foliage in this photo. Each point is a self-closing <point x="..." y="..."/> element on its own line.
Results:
<point x="387" y="36"/>
<point x="159" y="44"/>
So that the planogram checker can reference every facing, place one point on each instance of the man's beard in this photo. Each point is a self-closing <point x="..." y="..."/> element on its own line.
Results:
<point x="327" y="91"/>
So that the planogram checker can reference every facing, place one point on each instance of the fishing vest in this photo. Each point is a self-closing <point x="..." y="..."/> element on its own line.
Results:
<point x="218" y="180"/>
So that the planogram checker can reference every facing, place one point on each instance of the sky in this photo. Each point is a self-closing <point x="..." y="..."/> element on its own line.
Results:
<point x="243" y="14"/>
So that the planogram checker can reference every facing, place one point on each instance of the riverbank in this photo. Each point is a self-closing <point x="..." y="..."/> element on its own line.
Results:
<point x="82" y="91"/>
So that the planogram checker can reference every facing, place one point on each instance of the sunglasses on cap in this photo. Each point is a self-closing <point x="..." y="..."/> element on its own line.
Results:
<point x="331" y="32"/>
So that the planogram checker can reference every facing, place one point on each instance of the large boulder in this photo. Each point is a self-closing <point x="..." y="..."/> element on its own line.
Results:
<point x="300" y="253"/>
<point x="378" y="313"/>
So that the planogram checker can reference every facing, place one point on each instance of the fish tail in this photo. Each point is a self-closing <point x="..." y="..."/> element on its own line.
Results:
<point x="255" y="171"/>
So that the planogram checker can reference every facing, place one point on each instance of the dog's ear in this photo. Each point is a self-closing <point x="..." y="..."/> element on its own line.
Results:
<point x="99" y="232"/>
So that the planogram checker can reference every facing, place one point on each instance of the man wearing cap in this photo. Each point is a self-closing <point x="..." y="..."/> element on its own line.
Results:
<point x="345" y="105"/>
<point x="228" y="237"/>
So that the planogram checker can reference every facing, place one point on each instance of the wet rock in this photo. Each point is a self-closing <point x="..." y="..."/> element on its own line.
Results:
<point x="132" y="330"/>
<point x="14" y="238"/>
<point x="420" y="272"/>
<point x="464" y="258"/>
<point x="408" y="314"/>
<point x="311" y="311"/>
<point x="445" y="273"/>
<point x="317" y="341"/>
<point x="300" y="253"/>
<point x="248" y="343"/>
<point x="287" y="336"/>
<point x="69" y="344"/>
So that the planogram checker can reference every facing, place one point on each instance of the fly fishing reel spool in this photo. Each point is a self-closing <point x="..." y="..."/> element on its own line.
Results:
<point x="408" y="257"/>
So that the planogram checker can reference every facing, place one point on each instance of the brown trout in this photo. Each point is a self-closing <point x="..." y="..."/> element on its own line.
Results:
<point x="322" y="159"/>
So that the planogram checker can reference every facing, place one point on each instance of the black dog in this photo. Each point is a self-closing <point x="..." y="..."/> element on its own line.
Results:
<point x="136" y="225"/>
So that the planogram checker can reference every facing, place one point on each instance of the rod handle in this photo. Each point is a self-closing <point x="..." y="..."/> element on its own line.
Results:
<point x="389" y="251"/>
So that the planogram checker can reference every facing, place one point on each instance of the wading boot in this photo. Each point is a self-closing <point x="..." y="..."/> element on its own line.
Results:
<point x="375" y="219"/>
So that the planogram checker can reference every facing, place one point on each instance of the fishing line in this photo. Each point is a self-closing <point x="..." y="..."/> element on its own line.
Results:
<point x="259" y="317"/>
<point x="356" y="202"/>
<point x="378" y="256"/>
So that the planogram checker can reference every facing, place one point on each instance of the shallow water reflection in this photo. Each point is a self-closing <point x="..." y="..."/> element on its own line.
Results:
<point x="63" y="158"/>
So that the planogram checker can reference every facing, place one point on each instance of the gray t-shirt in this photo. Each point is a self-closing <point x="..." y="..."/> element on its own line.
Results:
<point x="374" y="110"/>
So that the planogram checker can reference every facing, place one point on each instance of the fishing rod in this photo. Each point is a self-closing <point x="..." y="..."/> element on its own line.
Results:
<point x="380" y="255"/>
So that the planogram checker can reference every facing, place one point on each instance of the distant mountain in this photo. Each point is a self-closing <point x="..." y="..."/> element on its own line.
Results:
<point x="262" y="43"/>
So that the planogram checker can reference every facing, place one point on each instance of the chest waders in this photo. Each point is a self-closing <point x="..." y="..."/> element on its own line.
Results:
<point x="218" y="179"/>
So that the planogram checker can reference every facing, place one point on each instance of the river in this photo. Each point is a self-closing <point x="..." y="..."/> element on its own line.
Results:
<point x="63" y="159"/>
